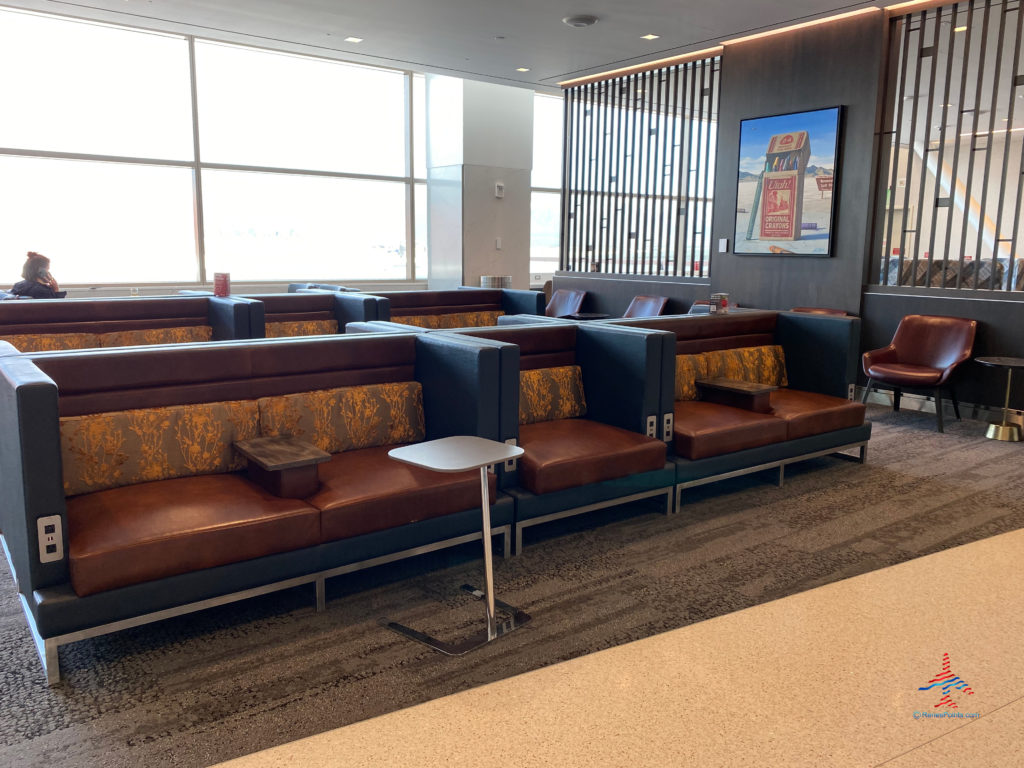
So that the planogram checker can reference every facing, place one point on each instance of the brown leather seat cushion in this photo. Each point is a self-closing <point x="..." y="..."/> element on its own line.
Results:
<point x="811" y="413"/>
<point x="571" y="452"/>
<point x="366" y="490"/>
<point x="149" y="531"/>
<point x="906" y="374"/>
<point x="705" y="429"/>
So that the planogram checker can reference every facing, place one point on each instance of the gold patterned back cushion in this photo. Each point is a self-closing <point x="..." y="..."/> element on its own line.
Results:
<point x="107" y="450"/>
<point x="759" y="365"/>
<point x="689" y="368"/>
<point x="45" y="342"/>
<point x="301" y="328"/>
<point x="347" y="418"/>
<point x="547" y="394"/>
<point x="183" y="335"/>
<point x="450" y="320"/>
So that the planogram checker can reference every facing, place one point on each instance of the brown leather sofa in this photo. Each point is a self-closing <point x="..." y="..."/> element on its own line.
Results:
<point x="809" y="358"/>
<point x="129" y="455"/>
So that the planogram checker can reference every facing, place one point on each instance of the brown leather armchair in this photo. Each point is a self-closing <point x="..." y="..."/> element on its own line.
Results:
<point x="923" y="353"/>
<point x="646" y="306"/>
<point x="564" y="302"/>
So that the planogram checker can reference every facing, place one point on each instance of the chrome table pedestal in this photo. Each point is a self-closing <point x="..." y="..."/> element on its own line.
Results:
<point x="1004" y="430"/>
<point x="459" y="454"/>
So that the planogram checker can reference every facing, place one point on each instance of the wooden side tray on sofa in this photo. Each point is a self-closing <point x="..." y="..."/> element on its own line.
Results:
<point x="738" y="394"/>
<point x="284" y="466"/>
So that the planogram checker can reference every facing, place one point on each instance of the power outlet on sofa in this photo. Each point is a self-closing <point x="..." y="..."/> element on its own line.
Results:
<point x="652" y="426"/>
<point x="51" y="539"/>
<point x="666" y="433"/>
<point x="510" y="464"/>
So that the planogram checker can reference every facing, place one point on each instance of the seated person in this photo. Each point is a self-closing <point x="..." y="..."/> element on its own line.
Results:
<point x="38" y="283"/>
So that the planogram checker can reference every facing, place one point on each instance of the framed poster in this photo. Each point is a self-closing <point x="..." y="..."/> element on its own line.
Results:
<point x="787" y="179"/>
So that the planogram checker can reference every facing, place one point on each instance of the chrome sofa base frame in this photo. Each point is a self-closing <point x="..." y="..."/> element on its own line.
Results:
<point x="520" y="525"/>
<point x="779" y="464"/>
<point x="47" y="648"/>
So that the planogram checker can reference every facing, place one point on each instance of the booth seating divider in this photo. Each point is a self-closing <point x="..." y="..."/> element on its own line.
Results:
<point x="56" y="324"/>
<point x="128" y="454"/>
<point x="307" y="313"/>
<point x="460" y="308"/>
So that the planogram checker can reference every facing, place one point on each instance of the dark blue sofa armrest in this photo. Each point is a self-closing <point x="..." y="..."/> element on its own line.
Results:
<point x="821" y="351"/>
<point x="460" y="379"/>
<point x="31" y="484"/>
<point x="318" y="287"/>
<point x="515" y="301"/>
<point x="383" y="326"/>
<point x="230" y="317"/>
<point x="528" y="319"/>
<point x="622" y="375"/>
<point x="360" y="308"/>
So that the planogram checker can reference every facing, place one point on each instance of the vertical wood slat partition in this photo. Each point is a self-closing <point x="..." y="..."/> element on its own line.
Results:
<point x="639" y="151"/>
<point x="953" y="136"/>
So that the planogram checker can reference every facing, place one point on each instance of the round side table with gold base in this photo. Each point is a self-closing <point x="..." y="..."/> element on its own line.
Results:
<point x="1004" y="431"/>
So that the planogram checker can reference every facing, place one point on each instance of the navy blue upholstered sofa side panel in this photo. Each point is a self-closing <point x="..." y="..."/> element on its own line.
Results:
<point x="822" y="351"/>
<point x="30" y="484"/>
<point x="624" y="374"/>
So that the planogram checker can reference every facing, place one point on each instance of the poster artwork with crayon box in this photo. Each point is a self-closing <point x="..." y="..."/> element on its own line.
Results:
<point x="783" y="186"/>
<point x="782" y="206"/>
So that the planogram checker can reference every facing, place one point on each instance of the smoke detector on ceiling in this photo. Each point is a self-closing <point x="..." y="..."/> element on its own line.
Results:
<point x="580" y="21"/>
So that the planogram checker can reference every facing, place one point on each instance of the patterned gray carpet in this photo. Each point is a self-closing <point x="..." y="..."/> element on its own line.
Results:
<point x="204" y="688"/>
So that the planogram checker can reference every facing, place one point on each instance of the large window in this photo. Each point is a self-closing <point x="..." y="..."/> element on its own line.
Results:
<point x="290" y="167"/>
<point x="950" y="202"/>
<point x="260" y="108"/>
<point x="100" y="222"/>
<point x="546" y="182"/>
<point x="90" y="88"/>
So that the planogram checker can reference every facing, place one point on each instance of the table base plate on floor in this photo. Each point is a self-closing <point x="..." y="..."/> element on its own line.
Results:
<point x="517" y="618"/>
<point x="1007" y="432"/>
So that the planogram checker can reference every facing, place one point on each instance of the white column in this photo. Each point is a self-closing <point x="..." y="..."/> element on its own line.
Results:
<point x="479" y="146"/>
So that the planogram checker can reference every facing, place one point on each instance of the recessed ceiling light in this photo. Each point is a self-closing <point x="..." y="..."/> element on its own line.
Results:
<point x="353" y="39"/>
<point x="522" y="69"/>
<point x="580" y="21"/>
<point x="959" y="29"/>
<point x="649" y="37"/>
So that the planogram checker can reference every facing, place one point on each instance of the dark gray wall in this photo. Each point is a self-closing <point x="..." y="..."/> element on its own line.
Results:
<point x="839" y="63"/>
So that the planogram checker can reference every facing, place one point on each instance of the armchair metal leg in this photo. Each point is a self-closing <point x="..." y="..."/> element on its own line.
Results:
<point x="938" y="407"/>
<point x="867" y="391"/>
<point x="896" y="392"/>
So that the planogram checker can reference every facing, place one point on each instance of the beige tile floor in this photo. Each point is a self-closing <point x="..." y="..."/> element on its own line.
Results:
<point x="828" y="677"/>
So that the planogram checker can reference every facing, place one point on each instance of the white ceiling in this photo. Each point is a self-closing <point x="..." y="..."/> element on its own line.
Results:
<point x="476" y="39"/>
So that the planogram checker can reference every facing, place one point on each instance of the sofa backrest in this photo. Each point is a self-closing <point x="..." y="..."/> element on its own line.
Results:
<point x="703" y="333"/>
<point x="297" y="314"/>
<point x="97" y="381"/>
<point x="546" y="345"/>
<point x="116" y="448"/>
<point x="49" y="324"/>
